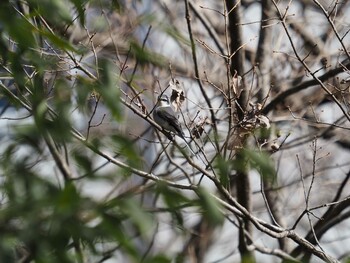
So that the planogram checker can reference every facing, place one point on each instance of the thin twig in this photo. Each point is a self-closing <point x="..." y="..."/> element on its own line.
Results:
<point x="196" y="68"/>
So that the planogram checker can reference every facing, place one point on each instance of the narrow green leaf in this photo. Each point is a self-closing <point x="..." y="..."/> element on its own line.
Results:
<point x="171" y="197"/>
<point x="225" y="168"/>
<point x="142" y="220"/>
<point x="79" y="5"/>
<point x="261" y="162"/>
<point x="126" y="148"/>
<point x="210" y="207"/>
<point x="145" y="56"/>
<point x="59" y="42"/>
<point x="108" y="88"/>
<point x="157" y="259"/>
<point x="57" y="12"/>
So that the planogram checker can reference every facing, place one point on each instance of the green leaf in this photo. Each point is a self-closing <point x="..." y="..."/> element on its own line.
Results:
<point x="211" y="209"/>
<point x="9" y="95"/>
<point x="68" y="200"/>
<point x="142" y="220"/>
<point x="145" y="56"/>
<point x="84" y="89"/>
<point x="262" y="162"/>
<point x="18" y="28"/>
<point x="83" y="161"/>
<point x="60" y="126"/>
<point x="112" y="225"/>
<point x="174" y="200"/>
<point x="126" y="148"/>
<point x="171" y="197"/>
<point x="175" y="33"/>
<point x="108" y="88"/>
<point x="225" y="168"/>
<point x="117" y="6"/>
<point x="57" y="12"/>
<point x="59" y="42"/>
<point x="157" y="259"/>
<point x="79" y="5"/>
<point x="28" y="135"/>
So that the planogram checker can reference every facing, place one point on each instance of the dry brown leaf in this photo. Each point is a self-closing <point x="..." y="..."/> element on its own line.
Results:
<point x="177" y="94"/>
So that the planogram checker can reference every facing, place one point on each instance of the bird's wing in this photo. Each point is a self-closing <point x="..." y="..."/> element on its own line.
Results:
<point x="168" y="115"/>
<point x="172" y="123"/>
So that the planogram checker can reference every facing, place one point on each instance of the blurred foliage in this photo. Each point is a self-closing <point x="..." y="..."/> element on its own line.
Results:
<point x="145" y="56"/>
<point x="60" y="62"/>
<point x="262" y="162"/>
<point x="252" y="158"/>
<point x="107" y="87"/>
<point x="224" y="168"/>
<point x="211" y="209"/>
<point x="44" y="216"/>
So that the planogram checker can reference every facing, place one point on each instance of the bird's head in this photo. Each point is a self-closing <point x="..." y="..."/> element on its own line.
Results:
<point x="163" y="100"/>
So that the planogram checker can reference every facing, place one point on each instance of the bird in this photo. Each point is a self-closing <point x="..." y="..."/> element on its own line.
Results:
<point x="164" y="116"/>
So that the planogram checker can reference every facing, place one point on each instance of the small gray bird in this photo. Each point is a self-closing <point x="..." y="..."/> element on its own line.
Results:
<point x="164" y="115"/>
